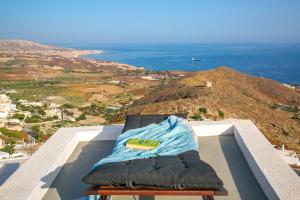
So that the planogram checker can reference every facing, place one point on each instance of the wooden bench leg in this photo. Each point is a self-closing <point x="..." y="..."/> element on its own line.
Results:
<point x="208" y="197"/>
<point x="103" y="197"/>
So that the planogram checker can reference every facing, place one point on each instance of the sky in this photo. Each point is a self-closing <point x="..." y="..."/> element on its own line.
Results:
<point x="155" y="21"/>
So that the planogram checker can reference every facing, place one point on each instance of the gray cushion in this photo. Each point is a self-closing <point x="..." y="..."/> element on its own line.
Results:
<point x="185" y="170"/>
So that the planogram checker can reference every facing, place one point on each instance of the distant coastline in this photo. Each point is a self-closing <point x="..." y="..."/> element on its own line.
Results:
<point x="278" y="62"/>
<point x="87" y="54"/>
<point x="294" y="86"/>
<point x="82" y="53"/>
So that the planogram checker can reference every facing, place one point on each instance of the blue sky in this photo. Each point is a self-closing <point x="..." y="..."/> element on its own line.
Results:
<point x="155" y="21"/>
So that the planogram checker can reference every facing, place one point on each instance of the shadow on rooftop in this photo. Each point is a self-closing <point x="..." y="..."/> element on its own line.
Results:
<point x="247" y="185"/>
<point x="67" y="182"/>
<point x="7" y="170"/>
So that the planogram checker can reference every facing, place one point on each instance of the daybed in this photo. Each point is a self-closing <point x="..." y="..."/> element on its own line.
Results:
<point x="181" y="174"/>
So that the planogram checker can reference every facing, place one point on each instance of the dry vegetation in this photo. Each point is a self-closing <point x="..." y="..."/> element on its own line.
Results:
<point x="236" y="95"/>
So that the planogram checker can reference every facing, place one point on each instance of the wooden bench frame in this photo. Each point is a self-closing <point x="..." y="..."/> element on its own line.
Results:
<point x="106" y="191"/>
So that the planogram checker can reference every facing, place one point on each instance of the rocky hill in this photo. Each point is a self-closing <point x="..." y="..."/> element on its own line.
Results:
<point x="24" y="45"/>
<point x="274" y="108"/>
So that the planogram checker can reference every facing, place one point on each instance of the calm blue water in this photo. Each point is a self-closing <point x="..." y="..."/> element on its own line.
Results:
<point x="279" y="62"/>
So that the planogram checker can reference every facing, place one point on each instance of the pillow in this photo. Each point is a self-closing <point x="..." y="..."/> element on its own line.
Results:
<point x="138" y="121"/>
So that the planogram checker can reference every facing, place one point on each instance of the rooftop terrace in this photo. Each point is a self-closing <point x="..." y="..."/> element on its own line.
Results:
<point x="240" y="154"/>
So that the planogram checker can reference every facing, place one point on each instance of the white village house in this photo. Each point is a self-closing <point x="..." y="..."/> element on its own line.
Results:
<point x="6" y="106"/>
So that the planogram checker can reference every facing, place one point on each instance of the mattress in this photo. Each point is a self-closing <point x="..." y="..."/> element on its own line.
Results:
<point x="183" y="171"/>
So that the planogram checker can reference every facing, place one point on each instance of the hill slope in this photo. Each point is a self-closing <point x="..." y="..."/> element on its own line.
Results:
<point x="270" y="105"/>
<point x="24" y="45"/>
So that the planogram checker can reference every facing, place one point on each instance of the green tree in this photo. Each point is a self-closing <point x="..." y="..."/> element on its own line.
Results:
<point x="203" y="110"/>
<point x="221" y="114"/>
<point x="108" y="116"/>
<point x="41" y="111"/>
<point x="197" y="117"/>
<point x="81" y="117"/>
<point x="33" y="119"/>
<point x="19" y="116"/>
<point x="9" y="148"/>
<point x="35" y="129"/>
<point x="68" y="106"/>
<point x="12" y="133"/>
<point x="38" y="135"/>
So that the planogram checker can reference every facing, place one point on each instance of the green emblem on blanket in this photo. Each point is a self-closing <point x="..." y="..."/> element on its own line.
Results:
<point x="136" y="143"/>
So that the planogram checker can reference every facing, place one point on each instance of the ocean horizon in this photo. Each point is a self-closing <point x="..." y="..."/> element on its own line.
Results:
<point x="277" y="61"/>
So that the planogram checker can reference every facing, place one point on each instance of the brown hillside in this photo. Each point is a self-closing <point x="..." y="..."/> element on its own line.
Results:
<point x="267" y="103"/>
<point x="24" y="45"/>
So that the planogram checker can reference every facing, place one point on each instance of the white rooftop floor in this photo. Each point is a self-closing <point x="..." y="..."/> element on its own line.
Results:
<point x="221" y="152"/>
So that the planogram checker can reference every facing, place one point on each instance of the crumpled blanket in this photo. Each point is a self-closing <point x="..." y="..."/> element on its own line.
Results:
<point x="174" y="134"/>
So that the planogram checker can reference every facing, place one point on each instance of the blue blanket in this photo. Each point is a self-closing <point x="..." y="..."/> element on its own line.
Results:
<point x="174" y="135"/>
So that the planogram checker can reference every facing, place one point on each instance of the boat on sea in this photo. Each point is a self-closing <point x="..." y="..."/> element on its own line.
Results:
<point x="196" y="59"/>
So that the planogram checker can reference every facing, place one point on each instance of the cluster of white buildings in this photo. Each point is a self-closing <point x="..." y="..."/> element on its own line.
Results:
<point x="153" y="77"/>
<point x="116" y="81"/>
<point x="30" y="103"/>
<point x="8" y="109"/>
<point x="289" y="86"/>
<point x="156" y="77"/>
<point x="53" y="109"/>
<point x="115" y="107"/>
<point x="6" y="106"/>
<point x="6" y="157"/>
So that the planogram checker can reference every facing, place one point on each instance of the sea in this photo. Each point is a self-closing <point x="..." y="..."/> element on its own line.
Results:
<point x="278" y="62"/>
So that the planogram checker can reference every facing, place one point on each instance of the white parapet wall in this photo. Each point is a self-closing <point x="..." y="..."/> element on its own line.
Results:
<point x="27" y="182"/>
<point x="276" y="178"/>
<point x="212" y="128"/>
